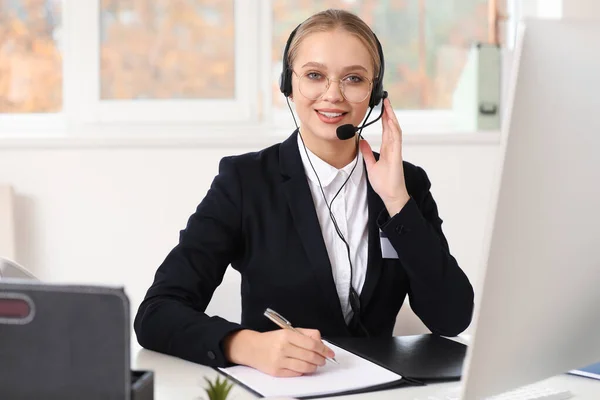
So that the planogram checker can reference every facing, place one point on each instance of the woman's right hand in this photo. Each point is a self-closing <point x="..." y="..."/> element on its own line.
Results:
<point x="281" y="352"/>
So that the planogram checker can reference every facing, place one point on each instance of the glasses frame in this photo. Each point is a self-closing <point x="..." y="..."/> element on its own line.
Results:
<point x="340" y="86"/>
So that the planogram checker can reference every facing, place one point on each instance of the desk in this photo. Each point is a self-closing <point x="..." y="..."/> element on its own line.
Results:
<point x="175" y="378"/>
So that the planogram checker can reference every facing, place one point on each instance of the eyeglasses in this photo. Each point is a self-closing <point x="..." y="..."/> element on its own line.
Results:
<point x="355" y="88"/>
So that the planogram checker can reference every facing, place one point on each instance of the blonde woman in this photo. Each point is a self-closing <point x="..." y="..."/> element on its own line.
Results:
<point x="322" y="230"/>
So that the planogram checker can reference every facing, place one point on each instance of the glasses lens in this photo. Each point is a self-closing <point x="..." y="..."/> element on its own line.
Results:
<point x="354" y="88"/>
<point x="313" y="85"/>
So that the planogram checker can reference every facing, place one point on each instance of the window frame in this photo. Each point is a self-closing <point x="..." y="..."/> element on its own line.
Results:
<point x="84" y="114"/>
<point x="85" y="19"/>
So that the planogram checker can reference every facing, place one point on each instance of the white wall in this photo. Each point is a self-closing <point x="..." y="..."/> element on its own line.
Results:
<point x="556" y="9"/>
<point x="581" y="9"/>
<point x="109" y="216"/>
<point x="7" y="226"/>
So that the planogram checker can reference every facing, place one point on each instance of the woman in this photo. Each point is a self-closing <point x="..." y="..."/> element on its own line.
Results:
<point x="322" y="230"/>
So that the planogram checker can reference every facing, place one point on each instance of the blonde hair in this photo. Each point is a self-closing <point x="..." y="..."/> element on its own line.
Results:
<point x="329" y="20"/>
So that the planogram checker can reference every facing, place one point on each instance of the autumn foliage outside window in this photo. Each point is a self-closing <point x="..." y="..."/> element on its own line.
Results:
<point x="167" y="49"/>
<point x="30" y="57"/>
<point x="185" y="49"/>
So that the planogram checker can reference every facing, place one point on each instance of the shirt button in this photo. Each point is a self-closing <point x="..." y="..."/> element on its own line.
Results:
<point x="401" y="229"/>
<point x="211" y="355"/>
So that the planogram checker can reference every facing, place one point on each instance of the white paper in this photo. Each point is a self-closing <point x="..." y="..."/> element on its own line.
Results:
<point x="351" y="373"/>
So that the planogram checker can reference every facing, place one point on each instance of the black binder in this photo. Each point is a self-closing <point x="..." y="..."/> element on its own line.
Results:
<point x="419" y="358"/>
<point x="67" y="342"/>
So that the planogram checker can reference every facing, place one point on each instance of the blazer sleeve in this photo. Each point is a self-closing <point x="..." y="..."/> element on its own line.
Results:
<point x="439" y="291"/>
<point x="172" y="319"/>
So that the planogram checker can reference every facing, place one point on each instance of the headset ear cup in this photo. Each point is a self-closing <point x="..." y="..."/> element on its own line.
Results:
<point x="281" y="82"/>
<point x="285" y="83"/>
<point x="379" y="92"/>
<point x="285" y="79"/>
<point x="288" y="83"/>
<point x="376" y="94"/>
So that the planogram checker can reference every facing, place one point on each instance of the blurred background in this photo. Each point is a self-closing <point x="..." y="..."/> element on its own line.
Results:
<point x="174" y="49"/>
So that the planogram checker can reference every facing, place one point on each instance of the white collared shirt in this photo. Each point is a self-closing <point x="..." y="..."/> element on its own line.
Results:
<point x="351" y="214"/>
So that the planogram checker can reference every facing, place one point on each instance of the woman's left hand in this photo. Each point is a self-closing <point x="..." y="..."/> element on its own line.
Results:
<point x="386" y="175"/>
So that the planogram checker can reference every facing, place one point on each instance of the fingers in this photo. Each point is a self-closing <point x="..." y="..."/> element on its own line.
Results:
<point x="392" y="120"/>
<point x="387" y="136"/>
<point x="286" y="373"/>
<point x="385" y="124"/>
<point x="391" y="129"/>
<point x="390" y="111"/>
<point x="299" y="366"/>
<point x="367" y="152"/>
<point x="391" y="141"/>
<point x="310" y="339"/>
<point x="287" y="353"/>
<point x="311" y="333"/>
<point x="309" y="357"/>
<point x="301" y="353"/>
<point x="308" y="347"/>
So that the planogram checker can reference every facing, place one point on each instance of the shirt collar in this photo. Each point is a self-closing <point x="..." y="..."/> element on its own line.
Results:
<point x="325" y="171"/>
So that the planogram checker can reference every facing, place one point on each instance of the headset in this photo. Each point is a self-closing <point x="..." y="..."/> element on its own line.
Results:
<point x="343" y="132"/>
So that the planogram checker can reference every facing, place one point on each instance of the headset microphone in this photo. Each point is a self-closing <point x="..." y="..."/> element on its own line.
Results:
<point x="347" y="131"/>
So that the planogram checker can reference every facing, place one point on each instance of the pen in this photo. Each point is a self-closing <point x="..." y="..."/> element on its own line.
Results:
<point x="285" y="324"/>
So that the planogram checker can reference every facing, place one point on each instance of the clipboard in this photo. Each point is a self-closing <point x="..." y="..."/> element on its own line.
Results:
<point x="423" y="358"/>
<point x="417" y="360"/>
<point x="67" y="342"/>
<point x="352" y="375"/>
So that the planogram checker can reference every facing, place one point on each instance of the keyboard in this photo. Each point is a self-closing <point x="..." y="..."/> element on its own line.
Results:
<point x="530" y="392"/>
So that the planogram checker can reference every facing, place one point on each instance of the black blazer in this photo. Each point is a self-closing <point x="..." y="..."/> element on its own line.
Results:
<point x="259" y="216"/>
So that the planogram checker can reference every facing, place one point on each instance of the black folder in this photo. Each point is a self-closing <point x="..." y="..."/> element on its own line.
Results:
<point x="67" y="342"/>
<point x="419" y="358"/>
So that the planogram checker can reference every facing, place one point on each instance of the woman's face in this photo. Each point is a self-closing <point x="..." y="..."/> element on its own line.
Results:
<point x="337" y="55"/>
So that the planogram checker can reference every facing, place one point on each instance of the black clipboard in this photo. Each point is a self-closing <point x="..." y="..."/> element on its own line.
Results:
<point x="403" y="381"/>
<point x="418" y="359"/>
<point x="421" y="358"/>
<point x="67" y="342"/>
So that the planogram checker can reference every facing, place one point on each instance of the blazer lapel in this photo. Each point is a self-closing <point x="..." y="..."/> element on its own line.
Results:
<point x="297" y="192"/>
<point x="375" y="206"/>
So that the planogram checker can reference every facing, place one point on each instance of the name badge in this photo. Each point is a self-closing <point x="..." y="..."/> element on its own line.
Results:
<point x="387" y="250"/>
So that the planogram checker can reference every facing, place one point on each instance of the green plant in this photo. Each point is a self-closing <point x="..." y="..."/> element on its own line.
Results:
<point x="219" y="389"/>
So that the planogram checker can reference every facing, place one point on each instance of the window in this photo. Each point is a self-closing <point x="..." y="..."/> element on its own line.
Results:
<point x="211" y="65"/>
<point x="169" y="49"/>
<point x="166" y="61"/>
<point x="30" y="57"/>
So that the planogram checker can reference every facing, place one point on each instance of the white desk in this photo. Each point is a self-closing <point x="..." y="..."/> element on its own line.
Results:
<point x="182" y="380"/>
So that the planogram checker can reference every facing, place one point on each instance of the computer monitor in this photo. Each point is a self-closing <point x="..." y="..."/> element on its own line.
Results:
<point x="536" y="312"/>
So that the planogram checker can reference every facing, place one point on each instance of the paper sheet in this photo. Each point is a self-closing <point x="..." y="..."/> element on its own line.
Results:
<point x="351" y="373"/>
